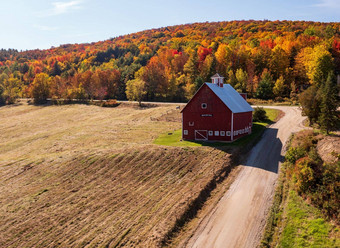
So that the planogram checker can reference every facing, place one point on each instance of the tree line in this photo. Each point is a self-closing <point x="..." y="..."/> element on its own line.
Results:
<point x="267" y="60"/>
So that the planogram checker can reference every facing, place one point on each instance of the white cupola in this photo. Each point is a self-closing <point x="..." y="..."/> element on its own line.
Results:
<point x="218" y="80"/>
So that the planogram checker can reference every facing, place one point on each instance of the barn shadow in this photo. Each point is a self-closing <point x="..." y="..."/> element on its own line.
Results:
<point x="266" y="154"/>
<point x="263" y="152"/>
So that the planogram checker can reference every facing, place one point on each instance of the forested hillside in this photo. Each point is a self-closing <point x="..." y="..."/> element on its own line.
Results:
<point x="266" y="59"/>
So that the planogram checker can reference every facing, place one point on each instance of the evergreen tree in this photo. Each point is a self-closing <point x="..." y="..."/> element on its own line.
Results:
<point x="56" y="70"/>
<point x="328" y="118"/>
<point x="265" y="88"/>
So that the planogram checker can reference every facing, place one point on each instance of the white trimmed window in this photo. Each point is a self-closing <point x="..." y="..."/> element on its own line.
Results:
<point x="222" y="133"/>
<point x="204" y="105"/>
<point x="210" y="133"/>
<point x="185" y="132"/>
<point x="228" y="133"/>
<point x="191" y="124"/>
<point x="235" y="133"/>
<point x="217" y="133"/>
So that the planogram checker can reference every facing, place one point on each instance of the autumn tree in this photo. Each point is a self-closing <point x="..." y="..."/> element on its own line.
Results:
<point x="40" y="88"/>
<point x="241" y="78"/>
<point x="278" y="62"/>
<point x="135" y="90"/>
<point x="279" y="87"/>
<point x="10" y="89"/>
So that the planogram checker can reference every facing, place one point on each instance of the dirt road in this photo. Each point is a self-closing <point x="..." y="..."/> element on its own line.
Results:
<point x="239" y="217"/>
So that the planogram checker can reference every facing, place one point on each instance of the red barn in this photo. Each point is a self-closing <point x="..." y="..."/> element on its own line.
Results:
<point x="217" y="112"/>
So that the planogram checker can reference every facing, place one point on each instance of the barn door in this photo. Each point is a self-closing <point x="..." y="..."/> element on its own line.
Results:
<point x="201" y="135"/>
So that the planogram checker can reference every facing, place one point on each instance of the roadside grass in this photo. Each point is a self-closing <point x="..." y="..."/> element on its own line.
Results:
<point x="174" y="138"/>
<point x="304" y="225"/>
<point x="293" y="222"/>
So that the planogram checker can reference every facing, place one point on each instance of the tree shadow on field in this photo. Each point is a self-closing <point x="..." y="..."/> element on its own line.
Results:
<point x="266" y="154"/>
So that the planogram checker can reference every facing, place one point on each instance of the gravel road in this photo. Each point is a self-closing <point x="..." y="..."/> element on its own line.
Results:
<point x="239" y="218"/>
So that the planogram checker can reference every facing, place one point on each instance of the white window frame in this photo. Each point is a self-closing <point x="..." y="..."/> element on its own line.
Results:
<point x="222" y="133"/>
<point x="217" y="133"/>
<point x="204" y="104"/>
<point x="185" y="132"/>
<point x="191" y="124"/>
<point x="228" y="133"/>
<point x="210" y="133"/>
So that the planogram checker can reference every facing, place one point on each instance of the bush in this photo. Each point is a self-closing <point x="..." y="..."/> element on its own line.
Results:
<point x="314" y="179"/>
<point x="304" y="174"/>
<point x="110" y="103"/>
<point x="294" y="153"/>
<point x="259" y="114"/>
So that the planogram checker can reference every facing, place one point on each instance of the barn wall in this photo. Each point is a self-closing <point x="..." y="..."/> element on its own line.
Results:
<point x="242" y="124"/>
<point x="216" y="117"/>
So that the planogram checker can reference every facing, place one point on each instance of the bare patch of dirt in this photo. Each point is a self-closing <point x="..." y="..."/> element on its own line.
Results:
<point x="329" y="149"/>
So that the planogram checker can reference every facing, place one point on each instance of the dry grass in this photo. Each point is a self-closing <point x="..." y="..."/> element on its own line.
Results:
<point x="85" y="176"/>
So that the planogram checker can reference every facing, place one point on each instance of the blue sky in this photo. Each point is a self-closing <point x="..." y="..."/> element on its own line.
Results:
<point x="30" y="24"/>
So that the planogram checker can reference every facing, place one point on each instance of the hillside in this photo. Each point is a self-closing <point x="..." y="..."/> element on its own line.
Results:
<point x="86" y="176"/>
<point x="268" y="60"/>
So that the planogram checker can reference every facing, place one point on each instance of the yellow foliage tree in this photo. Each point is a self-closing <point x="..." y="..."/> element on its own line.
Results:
<point x="135" y="90"/>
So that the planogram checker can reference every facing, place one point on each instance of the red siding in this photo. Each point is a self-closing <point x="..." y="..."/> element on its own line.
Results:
<point x="242" y="124"/>
<point x="220" y="119"/>
<point x="216" y="117"/>
<point x="244" y="95"/>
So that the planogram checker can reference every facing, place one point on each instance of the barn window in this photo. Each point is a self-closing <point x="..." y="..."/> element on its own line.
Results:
<point x="211" y="133"/>
<point x="242" y="131"/>
<point x="228" y="133"/>
<point x="222" y="133"/>
<point x="185" y="132"/>
<point x="204" y="105"/>
<point x="217" y="133"/>
<point x="191" y="124"/>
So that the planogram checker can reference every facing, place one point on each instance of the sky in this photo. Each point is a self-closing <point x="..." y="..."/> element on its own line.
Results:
<point x="31" y="24"/>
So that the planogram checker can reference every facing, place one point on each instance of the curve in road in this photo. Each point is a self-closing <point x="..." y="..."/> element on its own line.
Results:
<point x="239" y="217"/>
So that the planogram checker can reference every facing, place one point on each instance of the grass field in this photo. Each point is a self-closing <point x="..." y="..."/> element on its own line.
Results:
<point x="174" y="138"/>
<point x="86" y="176"/>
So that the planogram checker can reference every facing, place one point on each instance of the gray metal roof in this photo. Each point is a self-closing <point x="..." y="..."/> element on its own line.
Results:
<point x="231" y="98"/>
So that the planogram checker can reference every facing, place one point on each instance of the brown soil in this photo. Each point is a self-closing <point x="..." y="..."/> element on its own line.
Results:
<point x="85" y="176"/>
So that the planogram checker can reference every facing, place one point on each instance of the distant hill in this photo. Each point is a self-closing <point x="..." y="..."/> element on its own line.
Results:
<point x="266" y="59"/>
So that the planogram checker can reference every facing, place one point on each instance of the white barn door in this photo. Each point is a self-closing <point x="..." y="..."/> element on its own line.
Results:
<point x="201" y="135"/>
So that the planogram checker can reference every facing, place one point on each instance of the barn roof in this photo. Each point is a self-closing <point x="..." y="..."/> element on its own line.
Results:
<point x="231" y="98"/>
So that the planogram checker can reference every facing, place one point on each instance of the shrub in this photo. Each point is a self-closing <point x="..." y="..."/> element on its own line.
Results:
<point x="110" y="103"/>
<point x="294" y="153"/>
<point x="304" y="175"/>
<point x="259" y="114"/>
